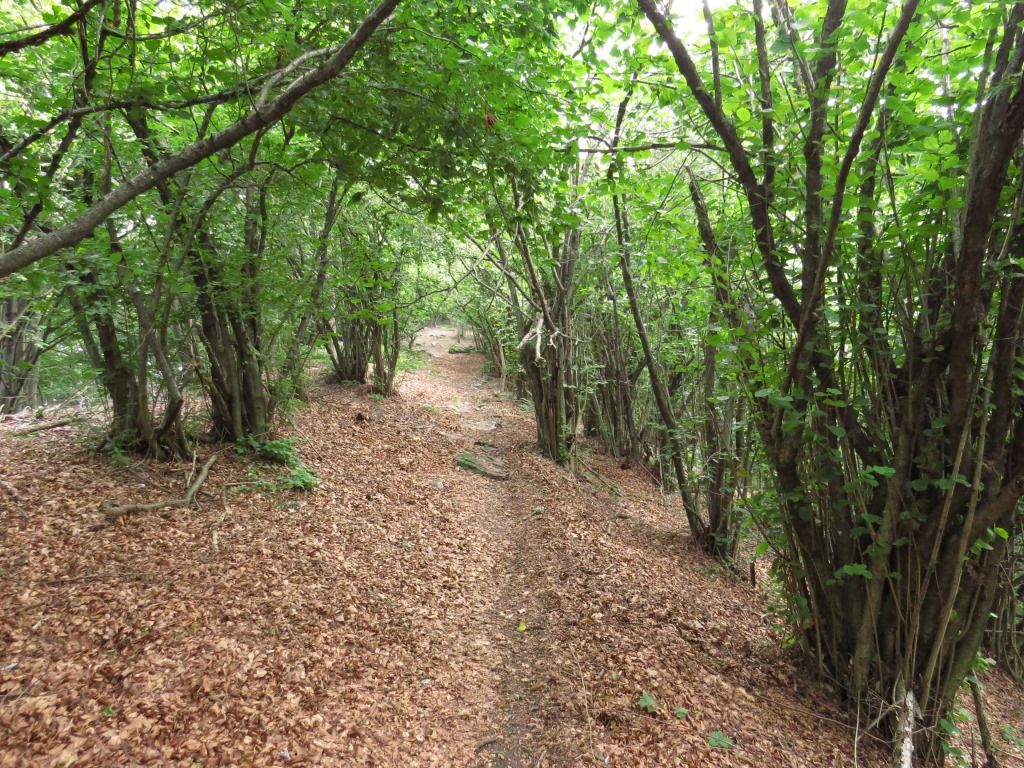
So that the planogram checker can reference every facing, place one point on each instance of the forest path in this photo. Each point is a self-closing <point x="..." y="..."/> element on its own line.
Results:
<point x="405" y="612"/>
<point x="497" y="513"/>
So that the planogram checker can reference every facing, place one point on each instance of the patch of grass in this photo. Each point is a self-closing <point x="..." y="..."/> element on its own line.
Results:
<point x="414" y="360"/>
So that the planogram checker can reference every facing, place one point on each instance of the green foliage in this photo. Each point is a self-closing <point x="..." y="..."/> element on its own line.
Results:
<point x="413" y="360"/>
<point x="719" y="740"/>
<point x="280" y="450"/>
<point x="1012" y="735"/>
<point x="297" y="479"/>
<point x="853" y="569"/>
<point x="473" y="182"/>
<point x="283" y="451"/>
<point x="119" y="455"/>
<point x="647" y="703"/>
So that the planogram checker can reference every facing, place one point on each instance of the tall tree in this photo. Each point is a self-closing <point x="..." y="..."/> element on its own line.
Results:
<point x="894" y="426"/>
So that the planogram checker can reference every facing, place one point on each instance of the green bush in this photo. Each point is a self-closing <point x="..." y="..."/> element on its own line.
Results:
<point x="297" y="479"/>
<point x="281" y="450"/>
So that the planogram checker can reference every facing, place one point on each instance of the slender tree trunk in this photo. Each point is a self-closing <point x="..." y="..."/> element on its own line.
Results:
<point x="19" y="354"/>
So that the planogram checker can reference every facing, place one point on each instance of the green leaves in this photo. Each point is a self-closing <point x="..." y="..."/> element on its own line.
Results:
<point x="719" y="740"/>
<point x="853" y="569"/>
<point x="647" y="703"/>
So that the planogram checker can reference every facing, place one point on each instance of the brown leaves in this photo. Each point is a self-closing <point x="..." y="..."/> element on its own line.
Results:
<point x="373" y="621"/>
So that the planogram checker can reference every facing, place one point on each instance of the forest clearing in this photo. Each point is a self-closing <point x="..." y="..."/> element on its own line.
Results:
<point x="510" y="382"/>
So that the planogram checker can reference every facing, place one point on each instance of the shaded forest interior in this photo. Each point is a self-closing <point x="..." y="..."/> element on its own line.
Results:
<point x="762" y="259"/>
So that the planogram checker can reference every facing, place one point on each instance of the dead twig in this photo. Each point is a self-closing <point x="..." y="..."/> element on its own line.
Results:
<point x="487" y="742"/>
<point x="43" y="427"/>
<point x="113" y="512"/>
<point x="987" y="744"/>
<point x="215" y="531"/>
<point x="70" y="579"/>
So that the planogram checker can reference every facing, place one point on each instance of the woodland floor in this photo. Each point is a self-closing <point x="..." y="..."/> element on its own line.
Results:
<point x="405" y="613"/>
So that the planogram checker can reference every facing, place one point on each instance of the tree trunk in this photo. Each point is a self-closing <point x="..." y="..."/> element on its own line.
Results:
<point x="19" y="354"/>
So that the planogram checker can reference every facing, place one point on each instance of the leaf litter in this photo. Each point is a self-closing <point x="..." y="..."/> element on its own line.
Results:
<point x="404" y="612"/>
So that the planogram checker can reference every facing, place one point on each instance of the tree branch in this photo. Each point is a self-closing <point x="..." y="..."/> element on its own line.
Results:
<point x="756" y="194"/>
<point x="60" y="28"/>
<point x="113" y="513"/>
<point x="681" y="144"/>
<point x="82" y="227"/>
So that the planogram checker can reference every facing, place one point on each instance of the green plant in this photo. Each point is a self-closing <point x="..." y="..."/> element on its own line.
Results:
<point x="951" y="729"/>
<point x="120" y="456"/>
<point x="955" y="755"/>
<point x="719" y="740"/>
<point x="298" y="478"/>
<point x="413" y="360"/>
<point x="280" y="451"/>
<point x="648" y="703"/>
<point x="1012" y="734"/>
<point x="680" y="712"/>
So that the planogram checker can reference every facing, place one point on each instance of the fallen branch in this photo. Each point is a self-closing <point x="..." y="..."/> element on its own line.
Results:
<point x="487" y="742"/>
<point x="992" y="759"/>
<point x="112" y="512"/>
<point x="43" y="427"/>
<point x="608" y="485"/>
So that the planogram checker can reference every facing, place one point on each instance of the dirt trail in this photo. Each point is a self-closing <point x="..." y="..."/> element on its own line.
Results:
<point x="404" y="613"/>
<point x="486" y="424"/>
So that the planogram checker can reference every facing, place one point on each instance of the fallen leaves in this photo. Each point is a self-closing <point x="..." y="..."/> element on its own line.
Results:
<point x="405" y="612"/>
